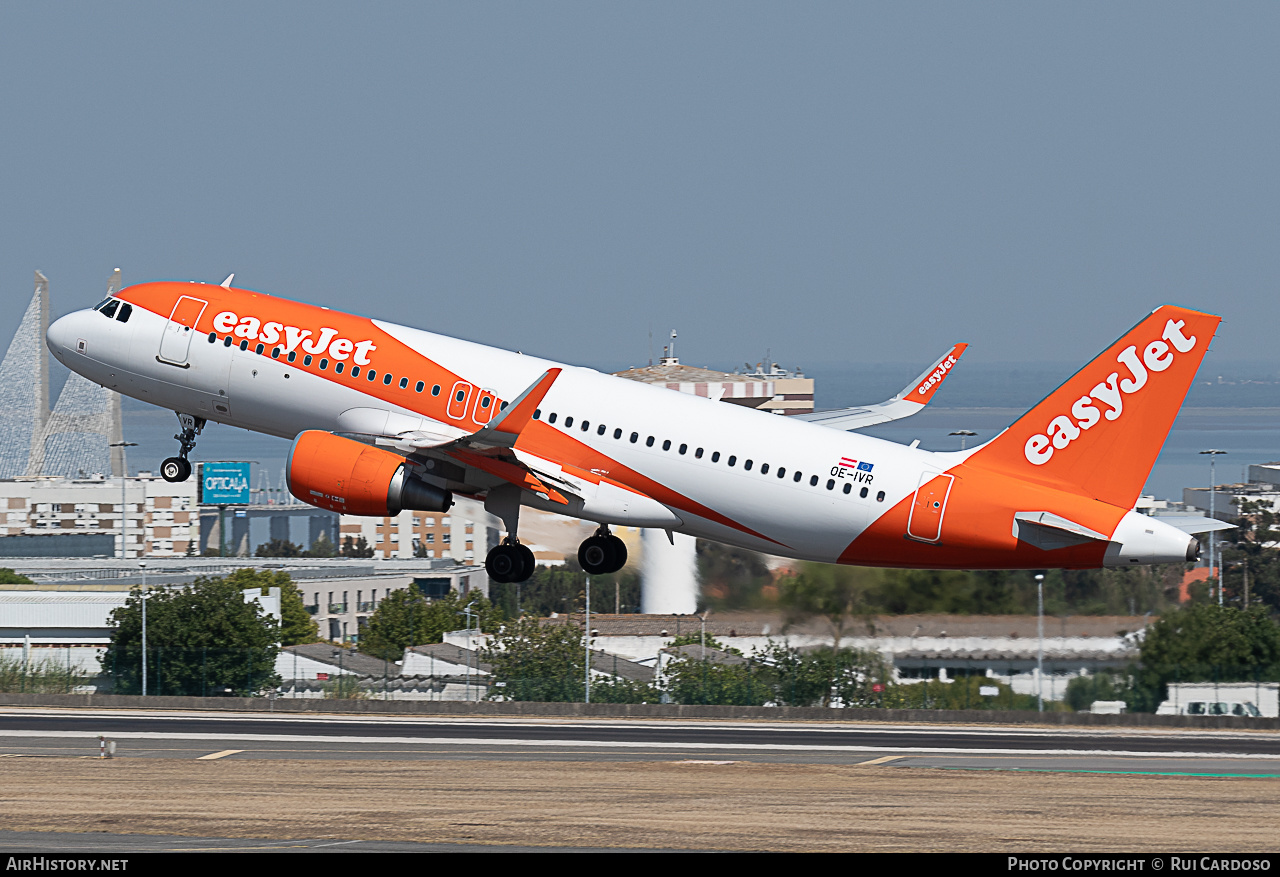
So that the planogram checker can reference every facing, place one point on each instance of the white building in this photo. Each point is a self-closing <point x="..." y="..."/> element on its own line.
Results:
<point x="48" y="516"/>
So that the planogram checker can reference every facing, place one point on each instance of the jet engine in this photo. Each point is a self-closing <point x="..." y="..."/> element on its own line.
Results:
<point x="346" y="476"/>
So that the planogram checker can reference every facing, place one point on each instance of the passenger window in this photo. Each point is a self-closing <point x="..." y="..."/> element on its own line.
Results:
<point x="797" y="477"/>
<point x="747" y="465"/>
<point x="764" y="468"/>
<point x="258" y="350"/>
<point x="617" y="433"/>
<point x="733" y="460"/>
<point x="600" y="429"/>
<point x="586" y="426"/>
<point x="831" y="484"/>
<point x="293" y="355"/>
<point x="213" y="337"/>
<point x="306" y="360"/>
<point x="125" y="310"/>
<point x="226" y="342"/>
<point x="537" y="414"/>
<point x="244" y="345"/>
<point x="568" y="422"/>
<point x="355" y="371"/>
<point x="847" y="487"/>
<point x="813" y="480"/>
<point x="419" y="387"/>
<point x="666" y="445"/>
<point x="648" y="443"/>
<point x="371" y="375"/>
<point x="324" y="364"/>
<point x="387" y="379"/>
<point x="863" y="493"/>
<point x="782" y="471"/>
<point x="635" y="437"/>
<point x="683" y="448"/>
<point x="715" y="456"/>
<point x="275" y="354"/>
<point x="503" y="406"/>
<point x="698" y="453"/>
<point x="552" y="419"/>
<point x="404" y="384"/>
<point x="880" y="496"/>
<point x="337" y="367"/>
<point x="435" y="390"/>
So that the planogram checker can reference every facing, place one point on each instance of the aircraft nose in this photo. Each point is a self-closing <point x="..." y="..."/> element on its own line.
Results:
<point x="66" y="335"/>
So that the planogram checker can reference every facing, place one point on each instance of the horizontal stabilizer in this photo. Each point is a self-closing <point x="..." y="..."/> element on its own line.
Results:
<point x="1192" y="524"/>
<point x="1048" y="531"/>
<point x="914" y="396"/>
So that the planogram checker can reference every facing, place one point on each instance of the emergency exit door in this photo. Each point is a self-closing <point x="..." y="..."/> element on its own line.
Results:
<point x="929" y="506"/>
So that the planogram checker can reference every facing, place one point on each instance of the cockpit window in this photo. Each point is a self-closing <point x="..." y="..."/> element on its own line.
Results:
<point x="125" y="310"/>
<point x="108" y="309"/>
<point x="99" y="305"/>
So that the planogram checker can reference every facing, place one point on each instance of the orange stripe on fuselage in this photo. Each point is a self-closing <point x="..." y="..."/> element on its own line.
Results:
<point x="977" y="528"/>
<point x="391" y="356"/>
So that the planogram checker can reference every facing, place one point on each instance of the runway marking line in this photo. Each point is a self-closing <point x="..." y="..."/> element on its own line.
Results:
<point x="1156" y="773"/>
<point x="702" y="761"/>
<point x="223" y="754"/>
<point x="885" y="760"/>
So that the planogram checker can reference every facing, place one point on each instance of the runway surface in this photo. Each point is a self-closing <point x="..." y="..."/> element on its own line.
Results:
<point x="29" y="732"/>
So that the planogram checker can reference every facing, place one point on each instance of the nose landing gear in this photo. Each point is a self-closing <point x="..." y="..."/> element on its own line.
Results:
<point x="178" y="468"/>
<point x="602" y="553"/>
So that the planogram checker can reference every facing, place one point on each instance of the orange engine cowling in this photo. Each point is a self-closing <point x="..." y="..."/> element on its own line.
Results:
<point x="346" y="476"/>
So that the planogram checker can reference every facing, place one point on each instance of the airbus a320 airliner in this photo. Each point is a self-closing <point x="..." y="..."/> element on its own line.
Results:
<point x="385" y="418"/>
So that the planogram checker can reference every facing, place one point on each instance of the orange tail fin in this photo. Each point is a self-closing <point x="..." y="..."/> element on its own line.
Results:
<point x="1100" y="432"/>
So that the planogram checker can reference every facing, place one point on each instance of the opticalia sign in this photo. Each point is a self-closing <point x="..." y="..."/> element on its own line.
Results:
<point x="224" y="483"/>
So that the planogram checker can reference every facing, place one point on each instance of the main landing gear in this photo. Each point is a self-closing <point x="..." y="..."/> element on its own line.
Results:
<point x="603" y="553"/>
<point x="509" y="562"/>
<point x="179" y="468"/>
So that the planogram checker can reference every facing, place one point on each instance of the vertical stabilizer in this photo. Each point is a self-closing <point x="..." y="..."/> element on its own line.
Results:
<point x="1100" y="432"/>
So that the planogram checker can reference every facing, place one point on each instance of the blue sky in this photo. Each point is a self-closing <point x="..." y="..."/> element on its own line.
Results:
<point x="839" y="183"/>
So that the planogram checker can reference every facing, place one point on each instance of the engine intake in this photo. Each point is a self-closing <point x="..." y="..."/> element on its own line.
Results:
<point x="351" y="478"/>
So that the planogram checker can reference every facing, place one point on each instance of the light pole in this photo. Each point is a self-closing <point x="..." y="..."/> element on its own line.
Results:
<point x="586" y="629"/>
<point x="964" y="436"/>
<point x="1040" y="648"/>
<point x="124" y="478"/>
<point x="144" y="628"/>
<point x="1213" y="535"/>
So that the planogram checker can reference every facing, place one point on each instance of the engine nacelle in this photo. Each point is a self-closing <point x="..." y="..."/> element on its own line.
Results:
<point x="351" y="478"/>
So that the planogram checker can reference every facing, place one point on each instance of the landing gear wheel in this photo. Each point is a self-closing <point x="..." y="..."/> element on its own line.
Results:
<point x="175" y="469"/>
<point x="528" y="564"/>
<point x="509" y="563"/>
<point x="602" y="554"/>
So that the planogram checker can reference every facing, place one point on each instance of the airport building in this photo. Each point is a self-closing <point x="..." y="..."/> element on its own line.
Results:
<point x="97" y="516"/>
<point x="766" y="387"/>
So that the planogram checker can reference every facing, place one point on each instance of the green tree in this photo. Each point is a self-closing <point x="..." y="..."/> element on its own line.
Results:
<point x="1250" y="566"/>
<point x="297" y="626"/>
<point x="691" y="680"/>
<point x="204" y="639"/>
<point x="1205" y="642"/>
<point x="824" y="676"/>
<point x="279" y="548"/>
<point x="534" y="661"/>
<point x="407" y="618"/>
<point x="356" y="548"/>
<point x="322" y="547"/>
<point x="563" y="589"/>
<point x="9" y="577"/>
<point x="838" y="594"/>
<point x="732" y="578"/>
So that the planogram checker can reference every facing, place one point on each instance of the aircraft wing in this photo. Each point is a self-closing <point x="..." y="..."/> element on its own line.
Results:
<point x="913" y="397"/>
<point x="490" y="449"/>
